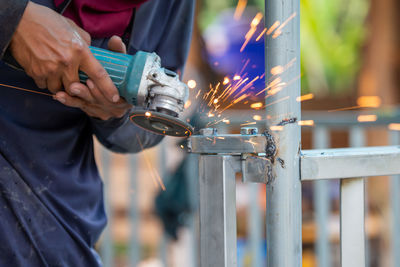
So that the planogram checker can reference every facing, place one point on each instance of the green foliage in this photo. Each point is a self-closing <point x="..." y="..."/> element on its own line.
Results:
<point x="332" y="34"/>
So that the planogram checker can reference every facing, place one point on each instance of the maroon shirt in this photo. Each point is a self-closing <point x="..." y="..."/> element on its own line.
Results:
<point x="101" y="18"/>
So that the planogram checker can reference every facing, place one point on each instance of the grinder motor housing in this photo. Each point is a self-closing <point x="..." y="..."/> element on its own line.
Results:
<point x="142" y="82"/>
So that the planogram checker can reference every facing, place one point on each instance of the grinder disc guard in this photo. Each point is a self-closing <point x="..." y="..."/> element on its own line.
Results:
<point x="161" y="123"/>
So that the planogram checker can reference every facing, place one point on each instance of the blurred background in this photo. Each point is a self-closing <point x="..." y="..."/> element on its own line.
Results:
<point x="350" y="64"/>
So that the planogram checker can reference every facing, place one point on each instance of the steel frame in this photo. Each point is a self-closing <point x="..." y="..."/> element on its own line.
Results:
<point x="222" y="156"/>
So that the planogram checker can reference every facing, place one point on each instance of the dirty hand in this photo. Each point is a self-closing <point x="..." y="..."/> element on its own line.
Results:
<point x="51" y="49"/>
<point x="90" y="99"/>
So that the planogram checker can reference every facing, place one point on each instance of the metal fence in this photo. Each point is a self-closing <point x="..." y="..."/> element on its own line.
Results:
<point x="276" y="159"/>
<point x="352" y="198"/>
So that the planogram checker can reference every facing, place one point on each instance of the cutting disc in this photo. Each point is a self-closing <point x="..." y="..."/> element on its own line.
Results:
<point x="161" y="123"/>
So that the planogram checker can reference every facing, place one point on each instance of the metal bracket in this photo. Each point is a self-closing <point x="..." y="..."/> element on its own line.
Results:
<point x="250" y="146"/>
<point x="255" y="169"/>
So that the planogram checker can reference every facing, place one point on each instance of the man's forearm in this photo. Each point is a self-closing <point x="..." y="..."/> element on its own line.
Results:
<point x="10" y="15"/>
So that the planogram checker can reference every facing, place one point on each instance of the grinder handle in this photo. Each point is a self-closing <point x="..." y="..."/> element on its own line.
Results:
<point x="125" y="71"/>
<point x="116" y="64"/>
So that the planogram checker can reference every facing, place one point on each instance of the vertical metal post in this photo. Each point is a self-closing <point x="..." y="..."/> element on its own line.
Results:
<point x="395" y="206"/>
<point x="217" y="211"/>
<point x="254" y="225"/>
<point x="283" y="214"/>
<point x="192" y="173"/>
<point x="134" y="244"/>
<point x="107" y="253"/>
<point x="162" y="170"/>
<point x="322" y="203"/>
<point x="352" y="220"/>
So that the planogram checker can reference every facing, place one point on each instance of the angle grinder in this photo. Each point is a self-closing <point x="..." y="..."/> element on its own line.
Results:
<point x="142" y="82"/>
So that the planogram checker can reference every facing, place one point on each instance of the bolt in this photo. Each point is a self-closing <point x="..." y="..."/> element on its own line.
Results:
<point x="208" y="131"/>
<point x="249" y="130"/>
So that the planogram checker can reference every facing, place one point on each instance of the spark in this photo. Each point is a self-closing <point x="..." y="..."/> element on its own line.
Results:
<point x="256" y="20"/>
<point x="256" y="105"/>
<point x="215" y="101"/>
<point x="214" y="123"/>
<point x="182" y="147"/>
<point x="306" y="123"/>
<point x="247" y="86"/>
<point x="274" y="83"/>
<point x="236" y="77"/>
<point x="192" y="84"/>
<point x="276" y="128"/>
<point x="277" y="101"/>
<point x="237" y="100"/>
<point x="210" y="115"/>
<point x="188" y="103"/>
<point x="257" y="117"/>
<point x="346" y="108"/>
<point x="226" y="121"/>
<point x="394" y="126"/>
<point x="261" y="34"/>
<point x="367" y="118"/>
<point x="304" y="97"/>
<point x="273" y="27"/>
<point x="277" y="70"/>
<point x="241" y="6"/>
<point x="147" y="114"/>
<point x="276" y="89"/>
<point x="251" y="142"/>
<point x="248" y="123"/>
<point x="154" y="172"/>
<point x="240" y="98"/>
<point x="226" y="81"/>
<point x="226" y="90"/>
<point x="253" y="28"/>
<point x="244" y="66"/>
<point x="279" y="30"/>
<point x="198" y="94"/>
<point x="369" y="101"/>
<point x="236" y="87"/>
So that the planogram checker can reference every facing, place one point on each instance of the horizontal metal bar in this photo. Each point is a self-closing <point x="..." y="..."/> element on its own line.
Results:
<point x="349" y="162"/>
<point x="339" y="119"/>
<point x="227" y="144"/>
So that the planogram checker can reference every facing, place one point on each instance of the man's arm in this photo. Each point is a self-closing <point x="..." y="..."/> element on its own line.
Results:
<point x="10" y="15"/>
<point x="121" y="135"/>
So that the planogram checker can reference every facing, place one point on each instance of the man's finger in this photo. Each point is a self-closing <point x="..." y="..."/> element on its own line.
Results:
<point x="41" y="83"/>
<point x="99" y="98"/>
<point x="70" y="76"/>
<point x="68" y="100"/>
<point x="80" y="90"/>
<point x="95" y="71"/>
<point x="97" y="95"/>
<point x="115" y="44"/>
<point x="54" y="84"/>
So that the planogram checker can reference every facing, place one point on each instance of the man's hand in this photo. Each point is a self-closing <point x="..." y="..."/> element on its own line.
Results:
<point x="52" y="49"/>
<point x="90" y="99"/>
